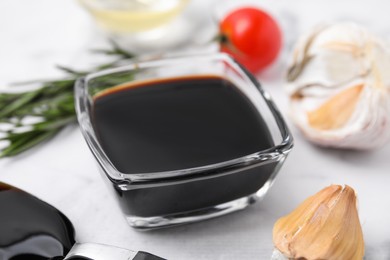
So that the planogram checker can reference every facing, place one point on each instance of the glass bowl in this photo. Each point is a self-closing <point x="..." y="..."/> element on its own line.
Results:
<point x="165" y="198"/>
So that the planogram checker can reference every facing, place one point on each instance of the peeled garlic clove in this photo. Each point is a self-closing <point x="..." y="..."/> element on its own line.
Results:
<point x="339" y="87"/>
<point x="325" y="226"/>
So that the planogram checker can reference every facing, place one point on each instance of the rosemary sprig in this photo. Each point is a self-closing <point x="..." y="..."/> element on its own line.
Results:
<point x="50" y="106"/>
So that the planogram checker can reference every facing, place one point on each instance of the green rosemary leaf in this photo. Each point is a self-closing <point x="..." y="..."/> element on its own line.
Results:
<point x="54" y="124"/>
<point x="26" y="141"/>
<point x="116" y="50"/>
<point x="72" y="71"/>
<point x="9" y="96"/>
<point x="18" y="103"/>
<point x="44" y="104"/>
<point x="14" y="138"/>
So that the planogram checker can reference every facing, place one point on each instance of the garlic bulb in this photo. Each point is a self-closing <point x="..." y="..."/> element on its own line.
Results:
<point x="325" y="226"/>
<point x="339" y="87"/>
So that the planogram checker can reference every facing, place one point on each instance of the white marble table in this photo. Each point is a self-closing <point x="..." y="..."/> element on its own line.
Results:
<point x="35" y="35"/>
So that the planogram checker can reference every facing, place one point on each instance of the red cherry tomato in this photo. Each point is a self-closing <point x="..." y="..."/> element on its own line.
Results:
<point x="252" y="37"/>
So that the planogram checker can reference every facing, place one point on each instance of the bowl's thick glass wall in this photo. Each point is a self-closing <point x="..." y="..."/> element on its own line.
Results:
<point x="172" y="197"/>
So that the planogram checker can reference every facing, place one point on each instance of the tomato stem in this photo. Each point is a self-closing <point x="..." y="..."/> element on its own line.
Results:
<point x="220" y="38"/>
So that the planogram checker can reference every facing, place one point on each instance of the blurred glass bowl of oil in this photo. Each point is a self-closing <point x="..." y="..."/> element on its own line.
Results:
<point x="136" y="24"/>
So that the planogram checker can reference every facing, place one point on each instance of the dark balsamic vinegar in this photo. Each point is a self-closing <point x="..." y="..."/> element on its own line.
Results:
<point x="30" y="228"/>
<point x="181" y="123"/>
<point x="177" y="123"/>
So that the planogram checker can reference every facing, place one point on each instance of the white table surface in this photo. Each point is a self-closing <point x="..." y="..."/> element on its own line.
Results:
<point x="36" y="35"/>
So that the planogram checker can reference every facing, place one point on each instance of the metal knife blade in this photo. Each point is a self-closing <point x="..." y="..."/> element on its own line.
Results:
<point x="92" y="251"/>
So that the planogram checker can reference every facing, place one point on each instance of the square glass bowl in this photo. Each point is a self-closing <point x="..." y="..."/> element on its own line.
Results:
<point x="159" y="199"/>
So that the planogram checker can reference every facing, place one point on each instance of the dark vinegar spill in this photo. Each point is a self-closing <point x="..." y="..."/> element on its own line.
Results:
<point x="176" y="124"/>
<point x="30" y="228"/>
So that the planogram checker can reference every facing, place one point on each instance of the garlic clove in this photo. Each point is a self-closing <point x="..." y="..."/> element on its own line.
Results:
<point x="336" y="111"/>
<point x="325" y="226"/>
<point x="339" y="87"/>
